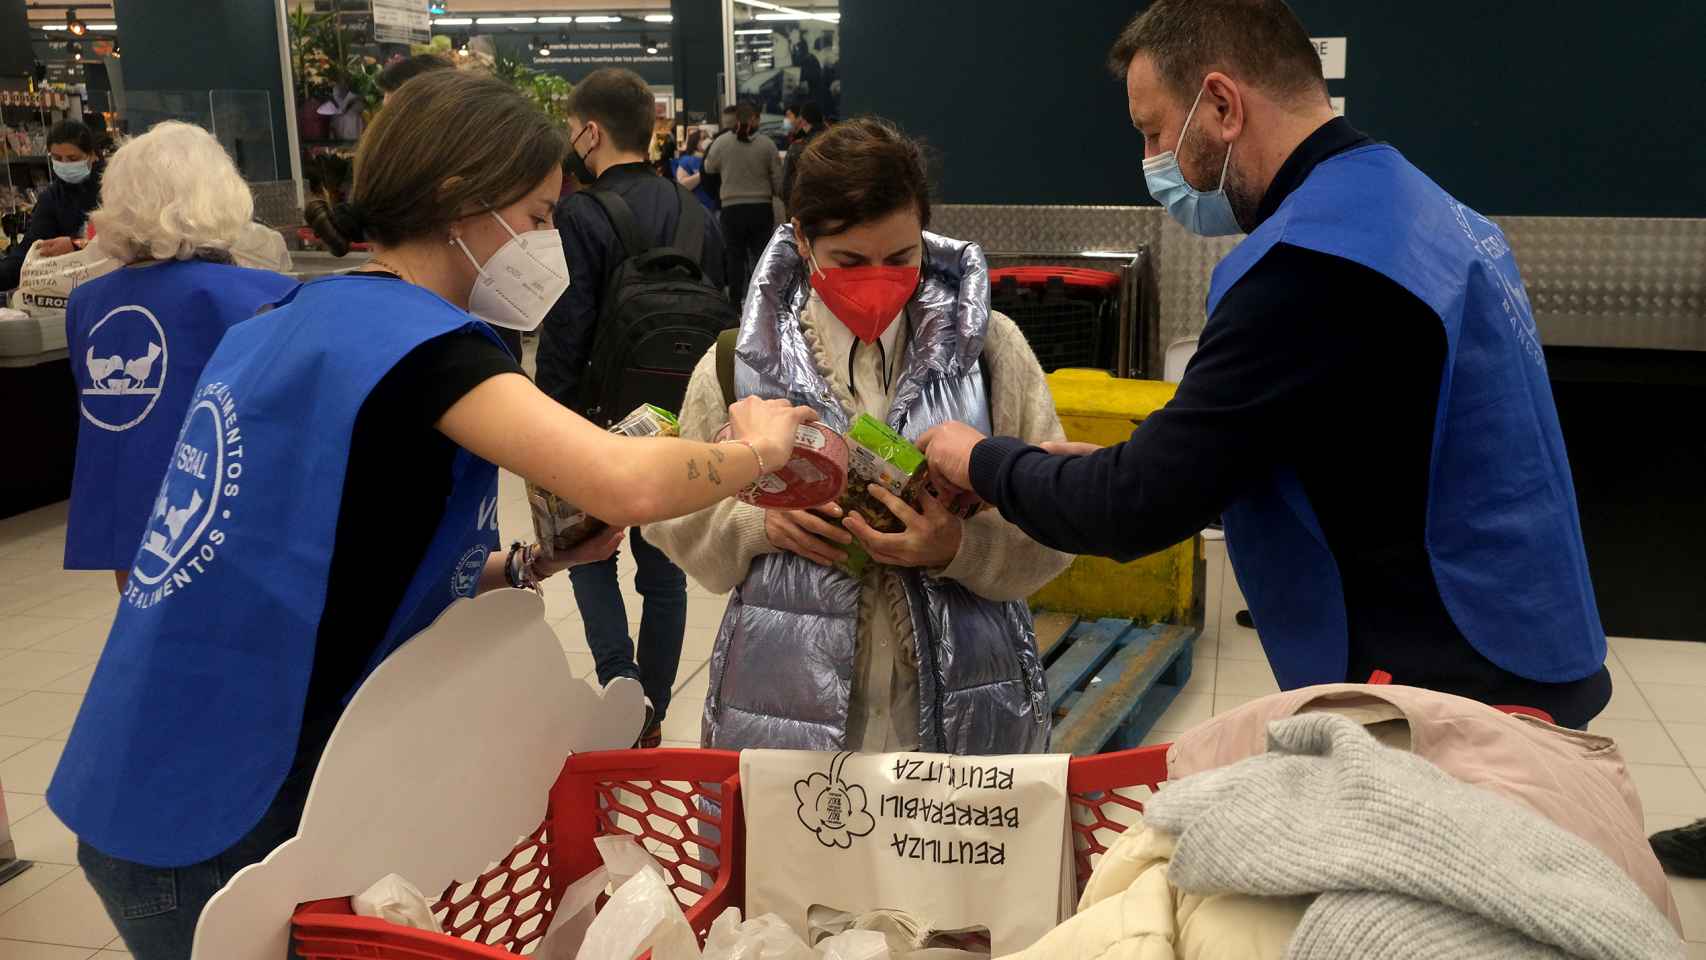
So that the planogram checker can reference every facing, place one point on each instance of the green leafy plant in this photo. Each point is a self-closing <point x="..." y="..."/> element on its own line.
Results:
<point x="548" y="90"/>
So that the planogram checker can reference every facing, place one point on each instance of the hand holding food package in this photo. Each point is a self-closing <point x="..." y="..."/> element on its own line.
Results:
<point x="559" y="524"/>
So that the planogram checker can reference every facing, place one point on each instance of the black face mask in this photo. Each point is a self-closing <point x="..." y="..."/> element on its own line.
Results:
<point x="577" y="164"/>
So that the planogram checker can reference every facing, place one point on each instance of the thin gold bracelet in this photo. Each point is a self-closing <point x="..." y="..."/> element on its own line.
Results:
<point x="762" y="469"/>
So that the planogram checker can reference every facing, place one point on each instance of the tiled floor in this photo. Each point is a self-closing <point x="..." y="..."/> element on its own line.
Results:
<point x="53" y="624"/>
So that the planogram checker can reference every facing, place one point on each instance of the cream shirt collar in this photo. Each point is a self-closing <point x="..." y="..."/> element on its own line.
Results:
<point x="838" y="341"/>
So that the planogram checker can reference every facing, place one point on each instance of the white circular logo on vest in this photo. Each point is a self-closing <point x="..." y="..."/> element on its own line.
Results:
<point x="187" y="527"/>
<point x="465" y="580"/>
<point x="123" y="370"/>
<point x="1495" y="253"/>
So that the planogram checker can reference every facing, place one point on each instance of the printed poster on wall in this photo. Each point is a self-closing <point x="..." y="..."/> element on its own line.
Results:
<point x="401" y="21"/>
<point x="970" y="851"/>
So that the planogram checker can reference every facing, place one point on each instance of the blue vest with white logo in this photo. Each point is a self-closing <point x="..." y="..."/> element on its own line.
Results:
<point x="1503" y="535"/>
<point x="192" y="720"/>
<point x="139" y="338"/>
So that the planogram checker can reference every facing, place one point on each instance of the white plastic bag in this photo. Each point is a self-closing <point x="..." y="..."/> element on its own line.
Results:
<point x="398" y="901"/>
<point x="624" y="858"/>
<point x="855" y="945"/>
<point x="642" y="914"/>
<point x="762" y="938"/>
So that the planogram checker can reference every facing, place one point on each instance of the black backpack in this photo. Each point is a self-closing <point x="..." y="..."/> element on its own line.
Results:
<point x="659" y="316"/>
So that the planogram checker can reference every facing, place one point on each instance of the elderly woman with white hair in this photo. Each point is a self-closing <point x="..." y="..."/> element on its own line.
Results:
<point x="173" y="210"/>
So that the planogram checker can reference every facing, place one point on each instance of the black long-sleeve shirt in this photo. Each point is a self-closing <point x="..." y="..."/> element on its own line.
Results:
<point x="592" y="249"/>
<point x="1315" y="363"/>
<point x="61" y="210"/>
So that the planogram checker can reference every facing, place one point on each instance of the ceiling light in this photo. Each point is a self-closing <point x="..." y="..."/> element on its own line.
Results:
<point x="556" y="19"/>
<point x="54" y="26"/>
<point x="645" y="41"/>
<point x="76" y="26"/>
<point x="104" y="27"/>
<point x="453" y="21"/>
<point x="754" y="33"/>
<point x="782" y="16"/>
<point x="76" y="51"/>
<point x="544" y="49"/>
<point x="505" y="21"/>
<point x="660" y="18"/>
<point x="598" y="19"/>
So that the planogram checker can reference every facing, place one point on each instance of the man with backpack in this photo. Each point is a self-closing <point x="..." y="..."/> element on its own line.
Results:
<point x="644" y="304"/>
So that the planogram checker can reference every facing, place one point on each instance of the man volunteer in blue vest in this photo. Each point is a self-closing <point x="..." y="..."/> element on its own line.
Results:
<point x="1368" y="407"/>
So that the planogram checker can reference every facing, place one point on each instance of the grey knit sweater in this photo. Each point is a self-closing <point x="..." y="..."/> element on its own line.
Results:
<point x="1407" y="862"/>
<point x="751" y="169"/>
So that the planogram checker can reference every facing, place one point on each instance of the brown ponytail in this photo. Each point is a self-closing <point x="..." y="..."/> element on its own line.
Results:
<point x="746" y="122"/>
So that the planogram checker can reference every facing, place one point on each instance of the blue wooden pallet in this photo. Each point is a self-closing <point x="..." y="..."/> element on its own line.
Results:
<point x="1110" y="680"/>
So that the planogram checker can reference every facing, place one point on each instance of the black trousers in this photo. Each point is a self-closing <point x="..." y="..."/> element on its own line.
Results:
<point x="746" y="230"/>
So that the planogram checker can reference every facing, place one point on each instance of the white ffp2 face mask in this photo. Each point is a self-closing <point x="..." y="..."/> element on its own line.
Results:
<point x="519" y="283"/>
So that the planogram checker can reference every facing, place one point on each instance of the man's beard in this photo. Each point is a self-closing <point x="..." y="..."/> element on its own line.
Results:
<point x="1202" y="165"/>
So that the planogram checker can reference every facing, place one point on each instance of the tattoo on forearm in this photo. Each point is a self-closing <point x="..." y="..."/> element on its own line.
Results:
<point x="711" y="472"/>
<point x="692" y="469"/>
<point x="718" y="455"/>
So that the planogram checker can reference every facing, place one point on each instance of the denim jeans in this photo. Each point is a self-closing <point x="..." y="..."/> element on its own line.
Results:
<point x="156" y="908"/>
<point x="663" y="620"/>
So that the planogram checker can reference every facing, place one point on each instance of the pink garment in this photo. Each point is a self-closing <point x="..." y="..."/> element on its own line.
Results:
<point x="1575" y="779"/>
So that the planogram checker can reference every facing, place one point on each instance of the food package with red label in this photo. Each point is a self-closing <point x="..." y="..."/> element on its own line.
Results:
<point x="559" y="524"/>
<point x="816" y="471"/>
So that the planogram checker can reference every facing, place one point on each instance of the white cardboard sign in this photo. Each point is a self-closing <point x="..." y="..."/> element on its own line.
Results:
<point x="440" y="764"/>
<point x="1332" y="53"/>
<point x="959" y="843"/>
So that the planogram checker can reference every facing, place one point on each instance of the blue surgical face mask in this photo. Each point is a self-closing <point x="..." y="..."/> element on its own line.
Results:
<point x="1206" y="214"/>
<point x="75" y="171"/>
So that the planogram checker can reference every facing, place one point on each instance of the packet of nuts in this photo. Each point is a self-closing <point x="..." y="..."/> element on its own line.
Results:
<point x="559" y="524"/>
<point x="877" y="454"/>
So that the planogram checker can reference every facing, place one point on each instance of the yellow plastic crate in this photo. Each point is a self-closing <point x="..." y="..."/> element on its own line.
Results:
<point x="1164" y="587"/>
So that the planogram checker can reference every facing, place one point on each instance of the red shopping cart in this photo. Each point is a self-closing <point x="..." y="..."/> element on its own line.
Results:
<point x="660" y="797"/>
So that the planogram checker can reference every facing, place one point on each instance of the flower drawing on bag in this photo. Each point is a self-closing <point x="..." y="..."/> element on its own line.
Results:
<point x="833" y="809"/>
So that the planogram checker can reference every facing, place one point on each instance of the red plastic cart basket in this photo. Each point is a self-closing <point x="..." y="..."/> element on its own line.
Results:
<point x="661" y="797"/>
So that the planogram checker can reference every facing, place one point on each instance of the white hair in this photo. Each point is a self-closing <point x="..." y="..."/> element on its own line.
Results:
<point x="171" y="194"/>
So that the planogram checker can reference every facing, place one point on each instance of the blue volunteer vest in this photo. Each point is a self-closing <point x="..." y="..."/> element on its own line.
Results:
<point x="139" y="338"/>
<point x="192" y="720"/>
<point x="1503" y="535"/>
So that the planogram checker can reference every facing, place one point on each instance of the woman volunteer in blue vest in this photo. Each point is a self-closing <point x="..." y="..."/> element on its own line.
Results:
<point x="333" y="488"/>
<point x="174" y="209"/>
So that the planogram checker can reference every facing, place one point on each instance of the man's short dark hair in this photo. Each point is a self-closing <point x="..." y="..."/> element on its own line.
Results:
<point x="812" y="114"/>
<point x="791" y="111"/>
<point x="619" y="101"/>
<point x="1260" y="42"/>
<point x="402" y="71"/>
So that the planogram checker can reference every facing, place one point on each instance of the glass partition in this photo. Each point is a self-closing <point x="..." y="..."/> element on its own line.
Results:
<point x="240" y="119"/>
<point x="787" y="56"/>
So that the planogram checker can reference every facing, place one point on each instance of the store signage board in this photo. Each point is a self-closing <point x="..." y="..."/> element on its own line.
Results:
<point x="441" y="762"/>
<point x="1331" y="51"/>
<point x="401" y="21"/>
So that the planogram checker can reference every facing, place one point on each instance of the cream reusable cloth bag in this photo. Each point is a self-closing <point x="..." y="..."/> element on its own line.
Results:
<point x="957" y="844"/>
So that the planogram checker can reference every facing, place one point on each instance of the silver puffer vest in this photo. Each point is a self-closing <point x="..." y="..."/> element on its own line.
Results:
<point x="782" y="670"/>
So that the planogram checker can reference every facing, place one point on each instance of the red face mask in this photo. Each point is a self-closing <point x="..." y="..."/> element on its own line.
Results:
<point x="866" y="299"/>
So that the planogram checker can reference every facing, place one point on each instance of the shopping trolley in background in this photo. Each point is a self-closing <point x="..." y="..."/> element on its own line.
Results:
<point x="659" y="797"/>
<point x="1070" y="315"/>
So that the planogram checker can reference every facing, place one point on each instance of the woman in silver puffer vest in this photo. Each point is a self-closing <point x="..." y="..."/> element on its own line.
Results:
<point x="855" y="308"/>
